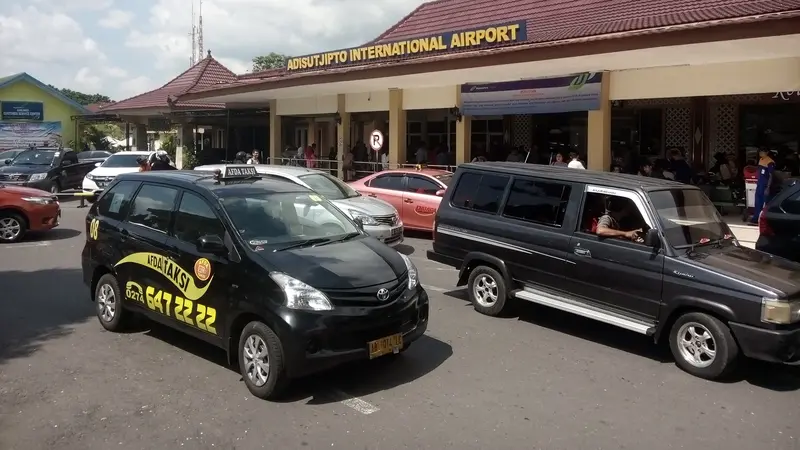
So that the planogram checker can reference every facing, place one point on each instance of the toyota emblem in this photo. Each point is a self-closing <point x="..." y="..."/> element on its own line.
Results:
<point x="383" y="294"/>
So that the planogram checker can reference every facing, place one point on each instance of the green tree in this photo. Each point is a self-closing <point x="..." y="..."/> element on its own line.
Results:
<point x="270" y="61"/>
<point x="94" y="133"/>
<point x="82" y="98"/>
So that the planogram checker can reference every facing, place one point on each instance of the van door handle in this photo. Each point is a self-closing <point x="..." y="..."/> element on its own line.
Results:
<point x="371" y="195"/>
<point x="408" y="200"/>
<point x="582" y="252"/>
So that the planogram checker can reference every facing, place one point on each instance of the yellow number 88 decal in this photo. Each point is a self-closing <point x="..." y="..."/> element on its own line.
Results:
<point x="94" y="229"/>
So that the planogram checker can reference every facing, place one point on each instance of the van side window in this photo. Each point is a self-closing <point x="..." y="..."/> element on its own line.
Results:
<point x="115" y="203"/>
<point x="612" y="212"/>
<point x="153" y="207"/>
<point x="537" y="201"/>
<point x="390" y="182"/>
<point x="480" y="192"/>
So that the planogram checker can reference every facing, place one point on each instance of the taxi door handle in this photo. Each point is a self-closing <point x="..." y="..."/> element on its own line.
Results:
<point x="408" y="200"/>
<point x="371" y="195"/>
<point x="582" y="252"/>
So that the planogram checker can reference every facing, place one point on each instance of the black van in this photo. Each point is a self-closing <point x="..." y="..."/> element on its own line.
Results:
<point x="648" y="255"/>
<point x="226" y="258"/>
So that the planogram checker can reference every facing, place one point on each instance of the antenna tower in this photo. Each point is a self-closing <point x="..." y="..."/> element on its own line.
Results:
<point x="200" y="54"/>
<point x="193" y="34"/>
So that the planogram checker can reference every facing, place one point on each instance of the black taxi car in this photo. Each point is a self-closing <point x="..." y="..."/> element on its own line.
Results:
<point x="226" y="258"/>
<point x="646" y="255"/>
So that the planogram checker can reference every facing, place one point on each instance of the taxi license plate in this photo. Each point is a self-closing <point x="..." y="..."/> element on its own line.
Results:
<point x="396" y="231"/>
<point x="385" y="345"/>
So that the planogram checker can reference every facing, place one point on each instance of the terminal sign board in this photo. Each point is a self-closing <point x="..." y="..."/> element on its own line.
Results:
<point x="21" y="111"/>
<point x="472" y="39"/>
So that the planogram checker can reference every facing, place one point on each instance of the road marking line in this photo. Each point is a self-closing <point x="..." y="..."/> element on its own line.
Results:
<point x="356" y="403"/>
<point x="28" y="245"/>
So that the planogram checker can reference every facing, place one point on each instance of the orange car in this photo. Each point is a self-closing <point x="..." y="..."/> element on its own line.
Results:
<point x="24" y="209"/>
<point x="415" y="194"/>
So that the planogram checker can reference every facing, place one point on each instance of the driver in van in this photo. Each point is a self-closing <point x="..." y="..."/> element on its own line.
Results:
<point x="608" y="223"/>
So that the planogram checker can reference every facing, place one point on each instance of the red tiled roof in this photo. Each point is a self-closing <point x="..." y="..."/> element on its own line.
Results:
<point x="549" y="23"/>
<point x="203" y="75"/>
<point x="96" y="107"/>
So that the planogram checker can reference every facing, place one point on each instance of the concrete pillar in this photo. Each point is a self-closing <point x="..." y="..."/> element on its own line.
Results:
<point x="598" y="135"/>
<point x="141" y="137"/>
<point x="397" y="128"/>
<point x="312" y="133"/>
<point x="275" y="134"/>
<point x="343" y="136"/>
<point x="185" y="148"/>
<point x="463" y="133"/>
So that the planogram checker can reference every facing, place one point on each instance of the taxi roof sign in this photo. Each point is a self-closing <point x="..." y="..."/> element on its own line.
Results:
<point x="233" y="172"/>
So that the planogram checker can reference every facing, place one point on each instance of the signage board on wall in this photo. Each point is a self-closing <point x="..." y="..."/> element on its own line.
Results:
<point x="15" y="135"/>
<point x="472" y="39"/>
<point x="579" y="92"/>
<point x="21" y="111"/>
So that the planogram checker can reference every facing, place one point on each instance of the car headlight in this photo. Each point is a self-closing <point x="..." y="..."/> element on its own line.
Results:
<point x="365" y="218"/>
<point x="413" y="275"/>
<point x="39" y="200"/>
<point x="89" y="176"/>
<point x="300" y="295"/>
<point x="37" y="177"/>
<point x="781" y="312"/>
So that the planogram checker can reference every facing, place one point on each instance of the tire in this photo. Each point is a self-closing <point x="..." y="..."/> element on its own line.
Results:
<point x="111" y="315"/>
<point x="13" y="227"/>
<point x="705" y="327"/>
<point x="260" y="336"/>
<point x="487" y="291"/>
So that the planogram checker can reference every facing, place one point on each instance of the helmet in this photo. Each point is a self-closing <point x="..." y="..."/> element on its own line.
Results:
<point x="242" y="156"/>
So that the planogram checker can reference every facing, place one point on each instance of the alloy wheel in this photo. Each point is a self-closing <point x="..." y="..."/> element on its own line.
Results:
<point x="10" y="228"/>
<point x="256" y="360"/>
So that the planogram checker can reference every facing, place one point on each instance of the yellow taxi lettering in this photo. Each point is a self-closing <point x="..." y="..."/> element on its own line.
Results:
<point x="201" y="315"/>
<point x="168" y="299"/>
<point x="133" y="292"/>
<point x="179" y="308"/>
<point x="211" y="317"/>
<point x="179" y="277"/>
<point x="188" y="306"/>
<point x="94" y="229"/>
<point x="149" y="297"/>
<point x="157" y="302"/>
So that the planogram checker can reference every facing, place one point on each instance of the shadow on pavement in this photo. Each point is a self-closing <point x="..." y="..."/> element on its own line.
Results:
<point x="405" y="249"/>
<point x="357" y="379"/>
<point x="36" y="307"/>
<point x="775" y="377"/>
<point x="56" y="234"/>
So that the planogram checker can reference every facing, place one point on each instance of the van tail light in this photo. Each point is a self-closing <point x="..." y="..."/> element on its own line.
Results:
<point x="763" y="227"/>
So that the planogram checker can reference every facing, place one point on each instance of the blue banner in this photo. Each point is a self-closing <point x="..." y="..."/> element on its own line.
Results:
<point x="580" y="92"/>
<point x="15" y="135"/>
<point x="21" y="111"/>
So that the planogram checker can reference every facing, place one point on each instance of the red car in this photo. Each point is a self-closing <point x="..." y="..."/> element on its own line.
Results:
<point x="24" y="209"/>
<point x="415" y="194"/>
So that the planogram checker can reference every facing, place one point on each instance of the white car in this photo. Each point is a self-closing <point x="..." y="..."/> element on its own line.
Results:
<point x="380" y="218"/>
<point x="116" y="164"/>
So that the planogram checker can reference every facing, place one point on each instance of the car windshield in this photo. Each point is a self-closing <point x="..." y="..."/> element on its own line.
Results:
<point x="281" y="220"/>
<point x="444" y="179"/>
<point x="329" y="186"/>
<point x="688" y="217"/>
<point x="35" y="158"/>
<point x="120" y="160"/>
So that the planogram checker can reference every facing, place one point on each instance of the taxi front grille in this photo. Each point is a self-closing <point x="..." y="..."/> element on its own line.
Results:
<point x="13" y="177"/>
<point x="368" y="296"/>
<point x="390" y="220"/>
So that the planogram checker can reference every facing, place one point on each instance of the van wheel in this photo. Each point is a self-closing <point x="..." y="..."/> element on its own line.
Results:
<point x="703" y="346"/>
<point x="261" y="361"/>
<point x="487" y="291"/>
<point x="108" y="303"/>
<point x="12" y="227"/>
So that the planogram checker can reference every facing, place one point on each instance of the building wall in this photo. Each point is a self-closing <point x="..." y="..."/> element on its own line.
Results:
<point x="323" y="104"/>
<point x="774" y="75"/>
<point x="54" y="109"/>
<point x="367" y="102"/>
<point x="430" y="98"/>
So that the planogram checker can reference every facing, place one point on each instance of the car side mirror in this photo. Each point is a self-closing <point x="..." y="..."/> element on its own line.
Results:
<point x="7" y="162"/>
<point x="440" y="193"/>
<point x="359" y="223"/>
<point x="651" y="238"/>
<point x="212" y="244"/>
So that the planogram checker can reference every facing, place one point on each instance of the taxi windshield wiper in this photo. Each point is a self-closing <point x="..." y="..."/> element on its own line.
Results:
<point x="346" y="237"/>
<point x="304" y="243"/>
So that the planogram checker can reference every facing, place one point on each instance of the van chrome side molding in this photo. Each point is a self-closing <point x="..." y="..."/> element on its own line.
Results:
<point x="588" y="311"/>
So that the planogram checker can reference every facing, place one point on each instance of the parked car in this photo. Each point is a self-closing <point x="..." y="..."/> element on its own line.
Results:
<point x="414" y="193"/>
<point x="24" y="209"/>
<point x="93" y="155"/>
<point x="647" y="255"/>
<point x="379" y="218"/>
<point x="8" y="155"/>
<point x="105" y="172"/>
<point x="46" y="168"/>
<point x="779" y="223"/>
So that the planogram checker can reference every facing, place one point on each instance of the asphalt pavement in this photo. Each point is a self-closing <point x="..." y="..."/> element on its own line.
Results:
<point x="538" y="379"/>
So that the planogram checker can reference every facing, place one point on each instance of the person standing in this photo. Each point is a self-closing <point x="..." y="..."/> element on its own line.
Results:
<point x="575" y="162"/>
<point x="679" y="166"/>
<point x="766" y="167"/>
<point x="255" y="158"/>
